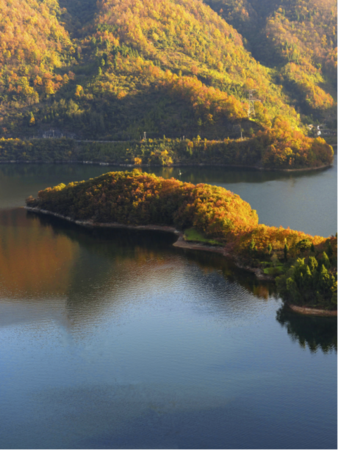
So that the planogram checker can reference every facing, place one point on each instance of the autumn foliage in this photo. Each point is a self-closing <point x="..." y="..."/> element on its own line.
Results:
<point x="89" y="68"/>
<point x="138" y="198"/>
<point x="32" y="44"/>
<point x="142" y="199"/>
<point x="297" y="37"/>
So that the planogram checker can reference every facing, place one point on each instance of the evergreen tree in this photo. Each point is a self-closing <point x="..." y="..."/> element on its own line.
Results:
<point x="326" y="261"/>
<point x="313" y="263"/>
<point x="286" y="249"/>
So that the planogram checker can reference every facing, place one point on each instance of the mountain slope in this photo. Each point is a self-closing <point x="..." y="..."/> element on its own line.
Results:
<point x="298" y="38"/>
<point x="177" y="61"/>
<point x="33" y="44"/>
<point x="112" y="70"/>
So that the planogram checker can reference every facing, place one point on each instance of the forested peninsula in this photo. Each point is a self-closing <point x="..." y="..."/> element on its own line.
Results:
<point x="304" y="266"/>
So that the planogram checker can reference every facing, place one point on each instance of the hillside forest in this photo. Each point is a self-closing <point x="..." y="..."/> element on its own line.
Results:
<point x="219" y="69"/>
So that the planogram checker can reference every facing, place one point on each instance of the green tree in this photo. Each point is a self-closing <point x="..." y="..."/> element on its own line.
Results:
<point x="326" y="261"/>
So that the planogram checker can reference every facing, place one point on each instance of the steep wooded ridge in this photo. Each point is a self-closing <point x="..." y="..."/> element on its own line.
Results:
<point x="306" y="265"/>
<point x="296" y="37"/>
<point x="111" y="70"/>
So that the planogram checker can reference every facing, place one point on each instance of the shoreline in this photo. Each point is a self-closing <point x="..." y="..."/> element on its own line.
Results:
<point x="103" y="163"/>
<point x="312" y="311"/>
<point x="185" y="245"/>
<point x="180" y="242"/>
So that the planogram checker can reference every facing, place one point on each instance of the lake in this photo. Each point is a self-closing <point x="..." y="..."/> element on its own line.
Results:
<point x="117" y="339"/>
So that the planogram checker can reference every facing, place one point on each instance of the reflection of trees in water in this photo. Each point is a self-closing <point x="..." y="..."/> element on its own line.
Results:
<point x="114" y="265"/>
<point x="44" y="175"/>
<point x="152" y="247"/>
<point x="132" y="247"/>
<point x="30" y="257"/>
<point x="74" y="172"/>
<point x="43" y="257"/>
<point x="314" y="332"/>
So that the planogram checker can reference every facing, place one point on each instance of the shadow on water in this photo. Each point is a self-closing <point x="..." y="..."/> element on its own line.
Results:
<point x="147" y="245"/>
<point x="314" y="332"/>
<point x="230" y="175"/>
<point x="87" y="270"/>
<point x="311" y="331"/>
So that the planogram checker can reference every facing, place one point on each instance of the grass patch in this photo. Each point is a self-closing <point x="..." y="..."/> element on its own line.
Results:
<point x="193" y="235"/>
<point x="274" y="271"/>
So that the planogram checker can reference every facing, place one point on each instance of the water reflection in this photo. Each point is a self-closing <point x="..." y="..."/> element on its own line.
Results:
<point x="79" y="277"/>
<point x="31" y="256"/>
<point x="120" y="340"/>
<point x="89" y="272"/>
<point x="310" y="331"/>
<point x="231" y="175"/>
<point x="153" y="249"/>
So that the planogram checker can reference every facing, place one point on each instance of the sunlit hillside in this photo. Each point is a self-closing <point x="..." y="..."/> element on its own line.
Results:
<point x="33" y="45"/>
<point x="178" y="62"/>
<point x="112" y="70"/>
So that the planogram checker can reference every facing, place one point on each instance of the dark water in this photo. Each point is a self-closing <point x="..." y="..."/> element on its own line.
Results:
<point x="119" y="340"/>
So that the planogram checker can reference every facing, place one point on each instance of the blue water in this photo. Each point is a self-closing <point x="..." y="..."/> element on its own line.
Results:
<point x="119" y="340"/>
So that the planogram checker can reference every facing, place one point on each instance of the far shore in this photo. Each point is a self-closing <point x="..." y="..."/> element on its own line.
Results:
<point x="142" y="166"/>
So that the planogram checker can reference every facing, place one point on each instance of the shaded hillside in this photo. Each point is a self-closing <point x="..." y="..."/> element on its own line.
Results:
<point x="279" y="147"/>
<point x="298" y="38"/>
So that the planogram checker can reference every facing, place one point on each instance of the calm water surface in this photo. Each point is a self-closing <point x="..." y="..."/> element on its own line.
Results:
<point x="119" y="340"/>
